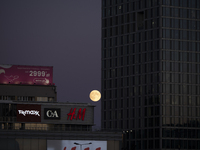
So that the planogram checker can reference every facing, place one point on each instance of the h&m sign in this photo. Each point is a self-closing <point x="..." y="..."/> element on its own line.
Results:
<point x="73" y="114"/>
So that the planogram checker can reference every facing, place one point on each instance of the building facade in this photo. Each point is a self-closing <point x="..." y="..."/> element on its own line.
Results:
<point x="151" y="72"/>
<point x="32" y="119"/>
<point x="51" y="125"/>
<point x="46" y="116"/>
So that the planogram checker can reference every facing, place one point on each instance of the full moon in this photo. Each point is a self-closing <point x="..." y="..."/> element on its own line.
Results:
<point x="95" y="95"/>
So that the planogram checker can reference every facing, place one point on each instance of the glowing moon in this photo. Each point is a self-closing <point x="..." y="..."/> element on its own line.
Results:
<point x="95" y="95"/>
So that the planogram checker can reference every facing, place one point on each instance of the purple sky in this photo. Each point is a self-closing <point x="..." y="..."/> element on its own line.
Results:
<point x="65" y="34"/>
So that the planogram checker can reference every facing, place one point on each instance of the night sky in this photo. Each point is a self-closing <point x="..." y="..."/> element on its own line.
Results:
<point x="65" y="34"/>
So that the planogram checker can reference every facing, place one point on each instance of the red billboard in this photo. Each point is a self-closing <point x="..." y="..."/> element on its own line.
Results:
<point x="28" y="75"/>
<point x="28" y="113"/>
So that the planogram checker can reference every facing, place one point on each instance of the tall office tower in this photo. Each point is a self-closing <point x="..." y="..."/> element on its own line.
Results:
<point x="151" y="72"/>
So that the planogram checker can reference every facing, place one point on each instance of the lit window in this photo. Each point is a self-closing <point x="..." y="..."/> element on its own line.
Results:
<point x="42" y="99"/>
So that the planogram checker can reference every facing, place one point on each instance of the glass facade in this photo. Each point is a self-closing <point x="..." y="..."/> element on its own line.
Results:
<point x="151" y="73"/>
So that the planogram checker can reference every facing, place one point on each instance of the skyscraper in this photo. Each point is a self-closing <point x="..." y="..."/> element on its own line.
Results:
<point x="151" y="72"/>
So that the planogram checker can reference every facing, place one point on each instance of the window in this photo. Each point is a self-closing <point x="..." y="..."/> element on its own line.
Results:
<point x="42" y="99"/>
<point x="50" y="99"/>
<point x="140" y="20"/>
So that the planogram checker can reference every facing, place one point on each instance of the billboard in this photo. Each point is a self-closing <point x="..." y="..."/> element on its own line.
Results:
<point x="28" y="75"/>
<point x="28" y="113"/>
<point x="76" y="145"/>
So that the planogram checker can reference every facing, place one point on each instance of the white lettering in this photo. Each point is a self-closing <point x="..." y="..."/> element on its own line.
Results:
<point x="29" y="112"/>
<point x="50" y="113"/>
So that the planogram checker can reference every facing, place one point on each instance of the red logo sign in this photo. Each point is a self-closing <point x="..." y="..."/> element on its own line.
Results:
<point x="72" y="114"/>
<point x="74" y="148"/>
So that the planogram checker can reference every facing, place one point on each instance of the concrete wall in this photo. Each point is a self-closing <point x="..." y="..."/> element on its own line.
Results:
<point x="23" y="144"/>
<point x="113" y="145"/>
<point x="26" y="90"/>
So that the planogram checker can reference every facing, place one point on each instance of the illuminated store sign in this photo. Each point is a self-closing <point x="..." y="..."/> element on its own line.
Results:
<point x="28" y="113"/>
<point x="74" y="148"/>
<point x="51" y="113"/>
<point x="76" y="145"/>
<point x="74" y="115"/>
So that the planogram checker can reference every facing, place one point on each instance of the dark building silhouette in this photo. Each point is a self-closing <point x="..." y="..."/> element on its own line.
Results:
<point x="151" y="72"/>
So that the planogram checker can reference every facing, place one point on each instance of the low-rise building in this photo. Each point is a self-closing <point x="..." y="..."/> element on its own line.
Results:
<point x="32" y="119"/>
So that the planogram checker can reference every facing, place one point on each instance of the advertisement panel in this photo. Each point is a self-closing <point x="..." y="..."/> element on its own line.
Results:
<point x="28" y="75"/>
<point x="52" y="113"/>
<point x="28" y="113"/>
<point x="76" y="145"/>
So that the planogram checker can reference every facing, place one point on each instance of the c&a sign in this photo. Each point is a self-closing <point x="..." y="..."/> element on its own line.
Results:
<point x="52" y="113"/>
